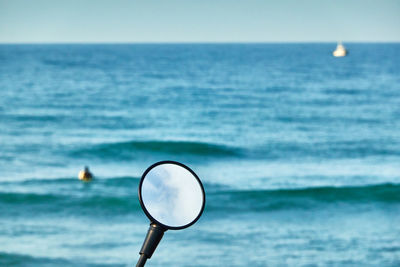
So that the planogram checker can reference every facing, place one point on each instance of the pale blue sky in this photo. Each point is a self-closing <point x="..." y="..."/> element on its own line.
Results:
<point x="82" y="21"/>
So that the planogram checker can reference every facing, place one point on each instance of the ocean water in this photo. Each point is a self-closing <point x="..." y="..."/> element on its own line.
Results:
<point x="299" y="152"/>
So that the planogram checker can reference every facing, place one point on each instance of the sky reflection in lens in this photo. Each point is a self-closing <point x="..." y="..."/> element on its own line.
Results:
<point x="172" y="195"/>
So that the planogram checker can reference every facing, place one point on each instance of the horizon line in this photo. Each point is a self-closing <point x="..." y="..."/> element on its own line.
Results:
<point x="198" y="42"/>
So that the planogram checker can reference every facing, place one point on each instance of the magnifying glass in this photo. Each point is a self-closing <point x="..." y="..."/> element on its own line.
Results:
<point x="172" y="196"/>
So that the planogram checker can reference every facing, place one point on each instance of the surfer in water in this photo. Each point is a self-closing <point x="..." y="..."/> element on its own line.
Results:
<point x="85" y="175"/>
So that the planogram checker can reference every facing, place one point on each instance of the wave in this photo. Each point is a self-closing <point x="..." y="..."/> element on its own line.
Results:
<point x="119" y="181"/>
<point x="327" y="150"/>
<point x="23" y="260"/>
<point x="118" y="196"/>
<point x="67" y="196"/>
<point x="31" y="117"/>
<point x="127" y="150"/>
<point x="305" y="198"/>
<point x="14" y="259"/>
<point x="57" y="203"/>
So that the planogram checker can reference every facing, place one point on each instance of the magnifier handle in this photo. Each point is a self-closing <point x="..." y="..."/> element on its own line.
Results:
<point x="141" y="261"/>
<point x="153" y="237"/>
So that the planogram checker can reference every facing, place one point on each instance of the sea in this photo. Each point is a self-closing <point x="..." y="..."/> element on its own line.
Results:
<point x="298" y="152"/>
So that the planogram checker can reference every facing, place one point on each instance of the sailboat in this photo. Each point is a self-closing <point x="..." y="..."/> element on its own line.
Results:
<point x="340" y="50"/>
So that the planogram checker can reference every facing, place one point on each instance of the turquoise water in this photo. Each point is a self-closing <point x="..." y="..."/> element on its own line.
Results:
<point x="299" y="152"/>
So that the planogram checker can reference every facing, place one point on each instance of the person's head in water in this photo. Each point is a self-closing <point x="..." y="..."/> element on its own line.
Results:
<point x="85" y="174"/>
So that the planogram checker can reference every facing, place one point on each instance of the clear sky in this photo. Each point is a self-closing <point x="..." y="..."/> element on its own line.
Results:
<point x="82" y="21"/>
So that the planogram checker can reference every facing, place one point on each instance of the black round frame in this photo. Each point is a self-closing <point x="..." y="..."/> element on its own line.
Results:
<point x="152" y="220"/>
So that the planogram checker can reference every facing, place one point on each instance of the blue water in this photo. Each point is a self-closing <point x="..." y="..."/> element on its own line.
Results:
<point x="299" y="152"/>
